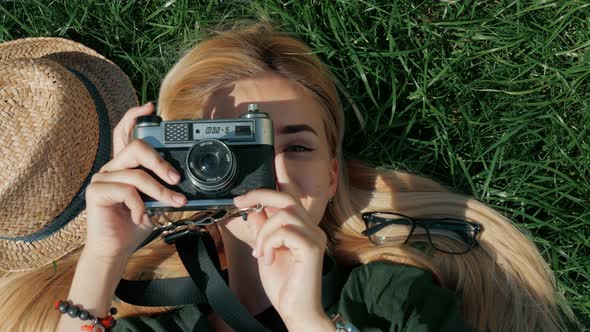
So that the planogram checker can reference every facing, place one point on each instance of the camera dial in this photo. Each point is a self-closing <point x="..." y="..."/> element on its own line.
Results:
<point x="253" y="112"/>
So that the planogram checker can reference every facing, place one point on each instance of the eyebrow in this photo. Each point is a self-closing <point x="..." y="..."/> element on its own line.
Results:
<point x="293" y="129"/>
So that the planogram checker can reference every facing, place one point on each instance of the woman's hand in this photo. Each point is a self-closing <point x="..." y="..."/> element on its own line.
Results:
<point x="290" y="250"/>
<point x="116" y="222"/>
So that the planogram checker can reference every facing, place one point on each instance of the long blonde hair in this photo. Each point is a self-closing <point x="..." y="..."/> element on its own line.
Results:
<point x="504" y="284"/>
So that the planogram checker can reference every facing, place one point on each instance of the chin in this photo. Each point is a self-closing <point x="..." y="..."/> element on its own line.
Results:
<point x="317" y="211"/>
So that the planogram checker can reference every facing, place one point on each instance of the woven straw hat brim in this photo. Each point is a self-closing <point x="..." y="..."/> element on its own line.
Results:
<point x="117" y="94"/>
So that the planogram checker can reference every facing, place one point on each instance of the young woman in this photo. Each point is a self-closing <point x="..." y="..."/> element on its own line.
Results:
<point x="274" y="260"/>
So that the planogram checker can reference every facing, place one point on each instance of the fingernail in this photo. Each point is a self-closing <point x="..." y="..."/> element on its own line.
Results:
<point x="238" y="199"/>
<point x="174" y="176"/>
<point x="178" y="199"/>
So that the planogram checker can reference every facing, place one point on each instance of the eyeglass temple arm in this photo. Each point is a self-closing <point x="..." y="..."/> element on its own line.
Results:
<point x="386" y="222"/>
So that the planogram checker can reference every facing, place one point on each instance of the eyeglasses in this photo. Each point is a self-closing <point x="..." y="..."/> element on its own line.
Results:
<point x="452" y="236"/>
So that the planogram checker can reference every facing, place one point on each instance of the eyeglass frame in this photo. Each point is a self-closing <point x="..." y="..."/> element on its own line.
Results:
<point x="422" y="222"/>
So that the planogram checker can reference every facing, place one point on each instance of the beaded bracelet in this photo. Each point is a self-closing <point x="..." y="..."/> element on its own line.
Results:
<point x="98" y="324"/>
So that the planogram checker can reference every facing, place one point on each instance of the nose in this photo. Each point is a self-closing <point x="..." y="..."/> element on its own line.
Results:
<point x="283" y="176"/>
<point x="280" y="171"/>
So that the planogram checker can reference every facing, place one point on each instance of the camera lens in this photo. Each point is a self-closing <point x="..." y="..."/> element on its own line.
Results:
<point x="211" y="165"/>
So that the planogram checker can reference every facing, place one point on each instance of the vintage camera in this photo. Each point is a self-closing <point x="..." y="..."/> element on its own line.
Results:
<point x="217" y="159"/>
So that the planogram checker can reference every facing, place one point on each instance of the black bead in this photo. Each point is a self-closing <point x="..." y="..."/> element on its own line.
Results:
<point x="73" y="311"/>
<point x="113" y="311"/>
<point x="63" y="307"/>
<point x="84" y="315"/>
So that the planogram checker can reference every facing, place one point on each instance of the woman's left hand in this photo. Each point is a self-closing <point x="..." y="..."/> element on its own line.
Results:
<point x="290" y="251"/>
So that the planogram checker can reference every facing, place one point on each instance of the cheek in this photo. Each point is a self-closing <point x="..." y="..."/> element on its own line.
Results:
<point x="311" y="184"/>
<point x="311" y="178"/>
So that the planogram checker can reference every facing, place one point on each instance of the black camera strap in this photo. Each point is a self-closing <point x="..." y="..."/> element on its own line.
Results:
<point x="196" y="250"/>
<point x="206" y="285"/>
<point x="159" y="292"/>
<point x="205" y="275"/>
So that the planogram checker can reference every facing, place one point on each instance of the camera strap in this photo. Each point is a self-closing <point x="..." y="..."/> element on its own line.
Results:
<point x="207" y="284"/>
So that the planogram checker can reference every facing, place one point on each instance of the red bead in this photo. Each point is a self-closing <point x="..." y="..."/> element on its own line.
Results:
<point x="56" y="305"/>
<point x="106" y="322"/>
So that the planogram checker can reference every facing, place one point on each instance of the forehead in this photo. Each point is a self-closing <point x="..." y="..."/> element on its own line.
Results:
<point x="285" y="102"/>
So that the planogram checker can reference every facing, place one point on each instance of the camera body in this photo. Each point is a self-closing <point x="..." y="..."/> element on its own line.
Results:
<point x="217" y="159"/>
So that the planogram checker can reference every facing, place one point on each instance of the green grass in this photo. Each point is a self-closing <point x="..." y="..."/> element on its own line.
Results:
<point x="491" y="97"/>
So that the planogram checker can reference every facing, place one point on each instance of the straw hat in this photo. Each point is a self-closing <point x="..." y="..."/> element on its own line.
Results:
<point x="59" y="102"/>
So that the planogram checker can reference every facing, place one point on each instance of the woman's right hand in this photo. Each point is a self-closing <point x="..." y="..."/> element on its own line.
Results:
<point x="116" y="221"/>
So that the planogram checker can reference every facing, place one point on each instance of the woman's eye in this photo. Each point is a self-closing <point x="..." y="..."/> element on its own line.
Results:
<point x="297" y="148"/>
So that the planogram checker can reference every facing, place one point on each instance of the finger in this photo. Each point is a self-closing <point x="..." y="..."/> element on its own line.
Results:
<point x="282" y="219"/>
<point x="294" y="239"/>
<point x="108" y="194"/>
<point x="273" y="201"/>
<point x="123" y="130"/>
<point x="255" y="222"/>
<point x="139" y="153"/>
<point x="269" y="198"/>
<point x="144" y="183"/>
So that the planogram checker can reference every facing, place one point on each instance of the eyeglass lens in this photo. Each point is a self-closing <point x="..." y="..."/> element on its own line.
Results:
<point x="389" y="228"/>
<point x="451" y="236"/>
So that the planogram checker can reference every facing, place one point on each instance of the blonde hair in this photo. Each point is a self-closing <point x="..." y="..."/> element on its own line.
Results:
<point x="504" y="284"/>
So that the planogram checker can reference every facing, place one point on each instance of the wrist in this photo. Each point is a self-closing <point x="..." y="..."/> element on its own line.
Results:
<point x="319" y="322"/>
<point x="98" y="255"/>
<point x="95" y="280"/>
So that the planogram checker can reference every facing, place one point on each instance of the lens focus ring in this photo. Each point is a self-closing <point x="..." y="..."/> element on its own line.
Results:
<point x="211" y="165"/>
